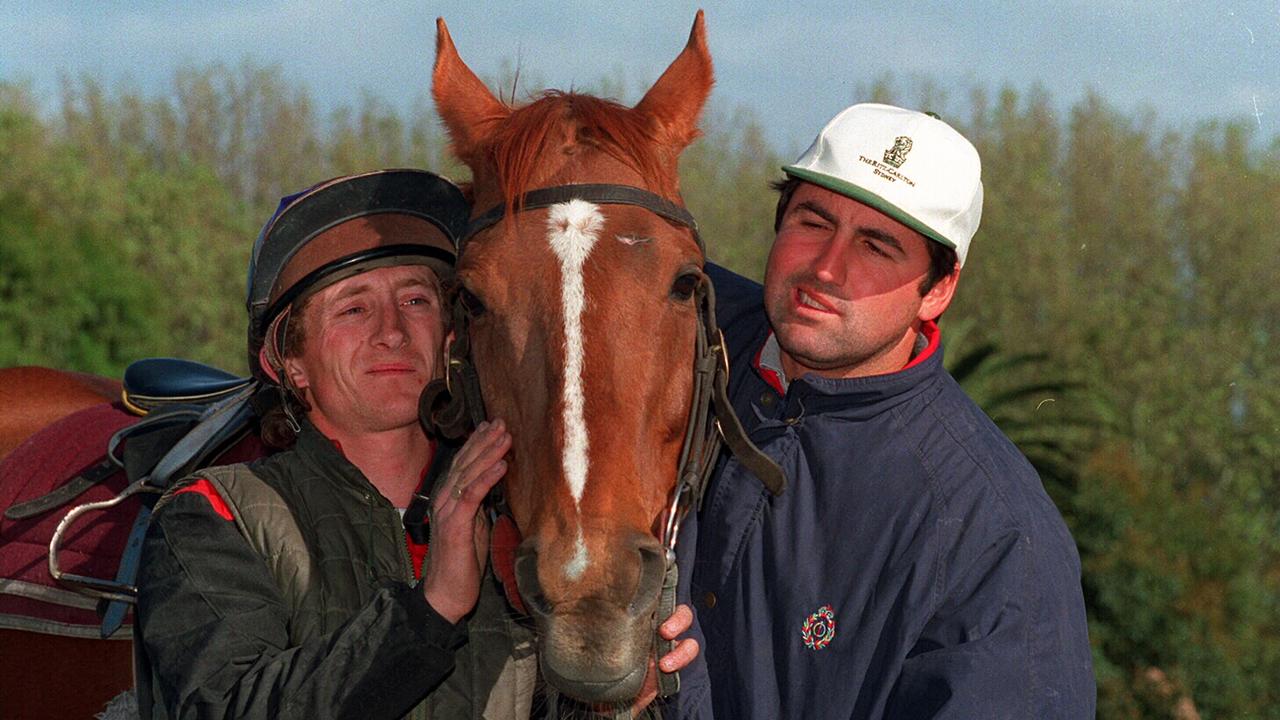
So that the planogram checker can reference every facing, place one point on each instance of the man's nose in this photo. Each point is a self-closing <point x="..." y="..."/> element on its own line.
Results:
<point x="832" y="263"/>
<point x="391" y="330"/>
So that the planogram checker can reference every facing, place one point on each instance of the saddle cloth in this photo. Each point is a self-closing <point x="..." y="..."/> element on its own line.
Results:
<point x="29" y="597"/>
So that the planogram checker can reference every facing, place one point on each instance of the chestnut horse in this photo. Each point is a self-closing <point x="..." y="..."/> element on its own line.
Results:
<point x="69" y="673"/>
<point x="32" y="398"/>
<point x="580" y="308"/>
<point x="56" y="426"/>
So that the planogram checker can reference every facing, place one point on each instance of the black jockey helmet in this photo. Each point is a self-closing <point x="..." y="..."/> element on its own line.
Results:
<point x="346" y="226"/>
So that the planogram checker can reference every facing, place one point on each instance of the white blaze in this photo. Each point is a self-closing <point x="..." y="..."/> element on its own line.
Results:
<point x="578" y="563"/>
<point x="572" y="229"/>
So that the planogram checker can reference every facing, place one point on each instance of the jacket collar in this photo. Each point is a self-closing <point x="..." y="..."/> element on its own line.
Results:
<point x="326" y="457"/>
<point x="768" y="360"/>
<point x="851" y="397"/>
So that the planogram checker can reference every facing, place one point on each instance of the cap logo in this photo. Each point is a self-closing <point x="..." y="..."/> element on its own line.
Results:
<point x="897" y="154"/>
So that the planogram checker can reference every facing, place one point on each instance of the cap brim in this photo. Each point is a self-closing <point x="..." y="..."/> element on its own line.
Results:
<point x="866" y="197"/>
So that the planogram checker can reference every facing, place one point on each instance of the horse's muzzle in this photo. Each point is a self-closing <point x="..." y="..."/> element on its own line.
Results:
<point x="595" y="644"/>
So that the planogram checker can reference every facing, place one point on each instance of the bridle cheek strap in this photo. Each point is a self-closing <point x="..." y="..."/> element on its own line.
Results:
<point x="712" y="423"/>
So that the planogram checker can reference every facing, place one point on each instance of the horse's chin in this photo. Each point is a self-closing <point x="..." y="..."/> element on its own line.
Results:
<point x="587" y="664"/>
<point x="576" y="683"/>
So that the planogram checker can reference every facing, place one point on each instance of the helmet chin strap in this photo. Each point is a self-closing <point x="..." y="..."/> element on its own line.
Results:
<point x="272" y="360"/>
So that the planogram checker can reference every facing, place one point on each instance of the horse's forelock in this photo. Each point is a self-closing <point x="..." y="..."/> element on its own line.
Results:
<point x="611" y="127"/>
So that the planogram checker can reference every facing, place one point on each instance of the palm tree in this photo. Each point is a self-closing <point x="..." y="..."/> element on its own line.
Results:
<point x="1039" y="411"/>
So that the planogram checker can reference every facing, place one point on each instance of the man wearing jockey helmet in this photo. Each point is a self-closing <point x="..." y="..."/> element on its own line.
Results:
<point x="914" y="567"/>
<point x="287" y="587"/>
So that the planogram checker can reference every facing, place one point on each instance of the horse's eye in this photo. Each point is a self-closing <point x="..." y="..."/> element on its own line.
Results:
<point x="685" y="285"/>
<point x="470" y="302"/>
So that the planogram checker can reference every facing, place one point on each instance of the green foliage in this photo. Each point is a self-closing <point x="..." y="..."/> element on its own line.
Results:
<point x="1039" y="412"/>
<point x="724" y="177"/>
<point x="1117" y="315"/>
<point x="1126" y="267"/>
<point x="106" y="256"/>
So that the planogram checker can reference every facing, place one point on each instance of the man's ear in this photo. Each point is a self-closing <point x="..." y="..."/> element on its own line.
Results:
<point x="265" y="364"/>
<point x="292" y="368"/>
<point x="297" y="375"/>
<point x="938" y="299"/>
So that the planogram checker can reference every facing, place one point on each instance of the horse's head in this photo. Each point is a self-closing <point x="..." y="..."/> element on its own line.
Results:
<point x="582" y="324"/>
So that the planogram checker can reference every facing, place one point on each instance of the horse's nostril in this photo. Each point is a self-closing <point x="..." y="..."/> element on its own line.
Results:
<point x="526" y="569"/>
<point x="653" y="567"/>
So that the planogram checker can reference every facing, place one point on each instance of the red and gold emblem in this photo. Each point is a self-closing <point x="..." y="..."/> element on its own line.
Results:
<point x="819" y="629"/>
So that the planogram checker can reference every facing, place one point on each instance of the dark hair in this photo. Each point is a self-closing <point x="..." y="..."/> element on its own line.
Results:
<point x="942" y="262"/>
<point x="942" y="259"/>
<point x="786" y="187"/>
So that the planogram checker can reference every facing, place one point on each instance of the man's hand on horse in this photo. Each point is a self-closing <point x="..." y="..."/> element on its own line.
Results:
<point x="678" y="659"/>
<point x="459" y="544"/>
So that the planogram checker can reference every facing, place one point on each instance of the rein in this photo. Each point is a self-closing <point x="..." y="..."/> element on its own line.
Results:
<point x="454" y="406"/>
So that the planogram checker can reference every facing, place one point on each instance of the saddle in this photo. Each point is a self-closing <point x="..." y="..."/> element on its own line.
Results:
<point x="115" y="459"/>
<point x="154" y="383"/>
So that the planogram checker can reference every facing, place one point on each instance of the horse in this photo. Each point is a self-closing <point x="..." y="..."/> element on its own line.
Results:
<point x="62" y="670"/>
<point x="61" y="658"/>
<point x="581" y="296"/>
<point x="36" y="397"/>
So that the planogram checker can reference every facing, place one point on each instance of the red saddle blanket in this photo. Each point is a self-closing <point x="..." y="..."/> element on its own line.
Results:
<point x="29" y="597"/>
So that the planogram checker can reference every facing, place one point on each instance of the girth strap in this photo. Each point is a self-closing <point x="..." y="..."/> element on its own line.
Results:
<point x="218" y="424"/>
<point x="175" y="415"/>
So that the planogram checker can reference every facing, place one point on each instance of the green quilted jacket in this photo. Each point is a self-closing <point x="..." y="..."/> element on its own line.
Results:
<point x="283" y="588"/>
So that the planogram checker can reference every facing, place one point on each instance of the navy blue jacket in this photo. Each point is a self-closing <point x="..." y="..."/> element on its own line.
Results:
<point x="913" y="568"/>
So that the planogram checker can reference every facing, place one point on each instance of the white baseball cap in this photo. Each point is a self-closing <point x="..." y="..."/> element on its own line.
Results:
<point x="908" y="165"/>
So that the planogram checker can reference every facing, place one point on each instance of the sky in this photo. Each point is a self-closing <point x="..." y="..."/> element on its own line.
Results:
<point x="792" y="64"/>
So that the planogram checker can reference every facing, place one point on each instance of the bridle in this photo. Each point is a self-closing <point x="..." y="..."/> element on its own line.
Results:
<point x="454" y="405"/>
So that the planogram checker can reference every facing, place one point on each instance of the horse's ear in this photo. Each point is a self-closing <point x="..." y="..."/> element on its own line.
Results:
<point x="469" y="110"/>
<point x="675" y="101"/>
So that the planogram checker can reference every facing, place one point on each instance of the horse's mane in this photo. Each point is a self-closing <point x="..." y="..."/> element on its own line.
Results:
<point x="604" y="124"/>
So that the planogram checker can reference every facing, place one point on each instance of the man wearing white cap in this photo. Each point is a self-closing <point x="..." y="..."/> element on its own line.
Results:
<point x="914" y="567"/>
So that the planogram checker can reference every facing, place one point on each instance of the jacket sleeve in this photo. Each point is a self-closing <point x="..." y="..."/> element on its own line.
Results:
<point x="215" y="631"/>
<point x="978" y="655"/>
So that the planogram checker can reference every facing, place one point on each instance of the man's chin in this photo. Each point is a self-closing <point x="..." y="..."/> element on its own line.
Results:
<point x="393" y="400"/>
<point x="812" y="348"/>
<point x="394" y="419"/>
<point x="803" y="338"/>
